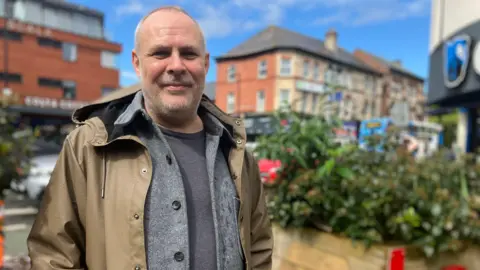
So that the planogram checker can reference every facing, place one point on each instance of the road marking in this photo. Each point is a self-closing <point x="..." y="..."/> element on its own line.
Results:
<point x="16" y="227"/>
<point x="20" y="211"/>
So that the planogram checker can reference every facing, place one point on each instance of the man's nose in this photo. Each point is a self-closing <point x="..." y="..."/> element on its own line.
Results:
<point x="175" y="65"/>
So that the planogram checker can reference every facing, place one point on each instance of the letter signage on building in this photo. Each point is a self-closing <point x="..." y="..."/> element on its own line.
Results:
<point x="25" y="28"/>
<point x="310" y="87"/>
<point x="456" y="57"/>
<point x="51" y="103"/>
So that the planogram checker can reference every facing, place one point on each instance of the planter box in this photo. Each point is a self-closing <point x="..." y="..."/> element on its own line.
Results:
<point x="308" y="249"/>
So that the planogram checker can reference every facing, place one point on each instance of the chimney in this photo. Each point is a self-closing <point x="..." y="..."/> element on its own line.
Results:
<point x="331" y="40"/>
<point x="397" y="63"/>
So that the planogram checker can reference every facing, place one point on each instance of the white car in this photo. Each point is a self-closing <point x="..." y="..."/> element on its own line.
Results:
<point x="37" y="180"/>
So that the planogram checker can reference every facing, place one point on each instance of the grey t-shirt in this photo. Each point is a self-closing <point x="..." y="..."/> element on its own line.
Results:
<point x="189" y="150"/>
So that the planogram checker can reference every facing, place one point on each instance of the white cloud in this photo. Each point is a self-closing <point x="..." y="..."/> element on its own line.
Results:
<point x="220" y="19"/>
<point x="129" y="75"/>
<point x="365" y="12"/>
<point x="131" y="7"/>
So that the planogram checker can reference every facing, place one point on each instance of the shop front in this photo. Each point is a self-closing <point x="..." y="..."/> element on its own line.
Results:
<point x="454" y="75"/>
<point x="51" y="117"/>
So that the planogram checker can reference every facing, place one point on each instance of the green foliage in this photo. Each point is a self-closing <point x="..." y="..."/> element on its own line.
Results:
<point x="15" y="147"/>
<point x="374" y="197"/>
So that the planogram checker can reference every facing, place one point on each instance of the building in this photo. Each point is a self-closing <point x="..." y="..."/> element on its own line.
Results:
<point x="54" y="57"/>
<point x="454" y="75"/>
<point x="398" y="84"/>
<point x="278" y="66"/>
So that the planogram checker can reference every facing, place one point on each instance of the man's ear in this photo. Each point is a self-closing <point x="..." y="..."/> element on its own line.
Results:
<point x="136" y="63"/>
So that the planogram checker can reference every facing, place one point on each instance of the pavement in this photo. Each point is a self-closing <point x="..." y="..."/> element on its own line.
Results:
<point x="20" y="214"/>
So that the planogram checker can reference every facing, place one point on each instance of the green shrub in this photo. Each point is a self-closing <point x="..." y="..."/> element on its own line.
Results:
<point x="374" y="197"/>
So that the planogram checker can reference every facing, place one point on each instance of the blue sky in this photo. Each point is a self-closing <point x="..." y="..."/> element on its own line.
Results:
<point x="393" y="29"/>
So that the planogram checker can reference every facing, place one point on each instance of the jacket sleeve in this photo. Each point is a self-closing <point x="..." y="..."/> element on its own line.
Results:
<point x="57" y="239"/>
<point x="261" y="228"/>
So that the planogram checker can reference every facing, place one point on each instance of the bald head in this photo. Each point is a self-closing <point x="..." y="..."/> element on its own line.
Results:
<point x="177" y="9"/>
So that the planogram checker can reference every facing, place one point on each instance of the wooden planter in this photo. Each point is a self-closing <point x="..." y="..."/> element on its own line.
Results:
<point x="308" y="249"/>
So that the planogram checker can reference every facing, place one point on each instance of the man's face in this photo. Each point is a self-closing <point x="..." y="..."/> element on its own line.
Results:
<point x="172" y="63"/>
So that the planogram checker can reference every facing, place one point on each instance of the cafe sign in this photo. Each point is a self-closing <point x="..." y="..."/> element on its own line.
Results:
<point x="26" y="28"/>
<point x="310" y="87"/>
<point x="52" y="103"/>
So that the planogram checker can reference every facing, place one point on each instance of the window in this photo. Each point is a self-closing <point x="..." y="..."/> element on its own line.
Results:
<point x="19" y="10"/>
<point x="10" y="77"/>
<point x="69" y="89"/>
<point x="315" y="98"/>
<point x="108" y="59"/>
<point x="284" y="97"/>
<point x="107" y="90"/>
<point x="231" y="103"/>
<point x="262" y="69"/>
<point x="316" y="71"/>
<point x="47" y="82"/>
<point x="231" y="76"/>
<point x="306" y="68"/>
<point x="303" y="105"/>
<point x="285" y="66"/>
<point x="7" y="9"/>
<point x="69" y="52"/>
<point x="48" y="42"/>
<point x="260" y="101"/>
<point x="11" y="35"/>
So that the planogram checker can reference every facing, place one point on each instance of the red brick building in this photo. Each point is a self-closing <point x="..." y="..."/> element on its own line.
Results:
<point x="55" y="57"/>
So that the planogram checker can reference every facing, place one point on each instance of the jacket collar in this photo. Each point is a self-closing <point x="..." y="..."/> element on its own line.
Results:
<point x="119" y="101"/>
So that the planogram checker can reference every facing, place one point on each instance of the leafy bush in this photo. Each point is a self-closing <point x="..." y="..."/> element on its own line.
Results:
<point x="374" y="197"/>
<point x="15" y="146"/>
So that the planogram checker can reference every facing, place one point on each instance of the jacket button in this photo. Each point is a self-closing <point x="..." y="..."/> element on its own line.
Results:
<point x="234" y="176"/>
<point x="137" y="267"/>
<point x="176" y="205"/>
<point x="238" y="122"/>
<point x="136" y="216"/>
<point x="169" y="160"/>
<point x="144" y="170"/>
<point x="179" y="256"/>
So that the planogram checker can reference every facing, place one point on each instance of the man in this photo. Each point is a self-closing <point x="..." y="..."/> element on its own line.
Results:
<point x="156" y="178"/>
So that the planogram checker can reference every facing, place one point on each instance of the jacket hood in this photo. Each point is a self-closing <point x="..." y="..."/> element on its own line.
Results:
<point x="122" y="98"/>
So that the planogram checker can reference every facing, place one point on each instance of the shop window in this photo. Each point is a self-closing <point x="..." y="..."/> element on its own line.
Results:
<point x="68" y="87"/>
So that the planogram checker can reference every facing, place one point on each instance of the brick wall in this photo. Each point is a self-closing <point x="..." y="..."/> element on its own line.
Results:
<point x="32" y="61"/>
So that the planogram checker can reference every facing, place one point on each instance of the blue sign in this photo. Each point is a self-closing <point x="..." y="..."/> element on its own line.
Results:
<point x="456" y="57"/>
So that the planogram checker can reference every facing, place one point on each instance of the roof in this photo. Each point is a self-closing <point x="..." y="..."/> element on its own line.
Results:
<point x="210" y="90"/>
<point x="274" y="37"/>
<point x="395" y="67"/>
<point x="74" y="7"/>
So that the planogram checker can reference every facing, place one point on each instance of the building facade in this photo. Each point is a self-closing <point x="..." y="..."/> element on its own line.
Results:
<point x="398" y="84"/>
<point x="454" y="75"/>
<point x="278" y="66"/>
<point x="54" y="56"/>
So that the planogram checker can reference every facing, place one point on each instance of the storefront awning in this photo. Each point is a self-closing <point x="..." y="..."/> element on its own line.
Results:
<point x="41" y="111"/>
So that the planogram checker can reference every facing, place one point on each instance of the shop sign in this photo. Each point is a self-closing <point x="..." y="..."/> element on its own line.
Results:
<point x="310" y="87"/>
<point x="51" y="103"/>
<point x="25" y="28"/>
<point x="476" y="58"/>
<point x="455" y="58"/>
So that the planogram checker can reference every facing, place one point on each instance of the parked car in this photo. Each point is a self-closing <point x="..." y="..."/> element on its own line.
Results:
<point x="39" y="176"/>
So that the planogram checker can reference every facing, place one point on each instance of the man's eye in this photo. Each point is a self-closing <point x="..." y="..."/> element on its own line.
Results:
<point x="189" y="55"/>
<point x="161" y="54"/>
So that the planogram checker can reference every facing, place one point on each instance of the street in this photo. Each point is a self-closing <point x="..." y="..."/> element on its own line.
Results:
<point x="19" y="216"/>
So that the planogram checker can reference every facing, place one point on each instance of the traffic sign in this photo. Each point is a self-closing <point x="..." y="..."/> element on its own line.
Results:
<point x="399" y="113"/>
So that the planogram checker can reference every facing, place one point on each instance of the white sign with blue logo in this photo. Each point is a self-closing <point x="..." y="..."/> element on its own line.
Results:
<point x="456" y="57"/>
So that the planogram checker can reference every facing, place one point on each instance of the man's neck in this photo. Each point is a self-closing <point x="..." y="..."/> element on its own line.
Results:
<point x="193" y="124"/>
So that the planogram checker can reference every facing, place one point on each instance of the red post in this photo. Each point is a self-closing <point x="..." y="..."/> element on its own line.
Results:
<point x="396" y="260"/>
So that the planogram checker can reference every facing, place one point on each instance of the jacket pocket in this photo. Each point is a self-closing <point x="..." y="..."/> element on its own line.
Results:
<point x="236" y="203"/>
